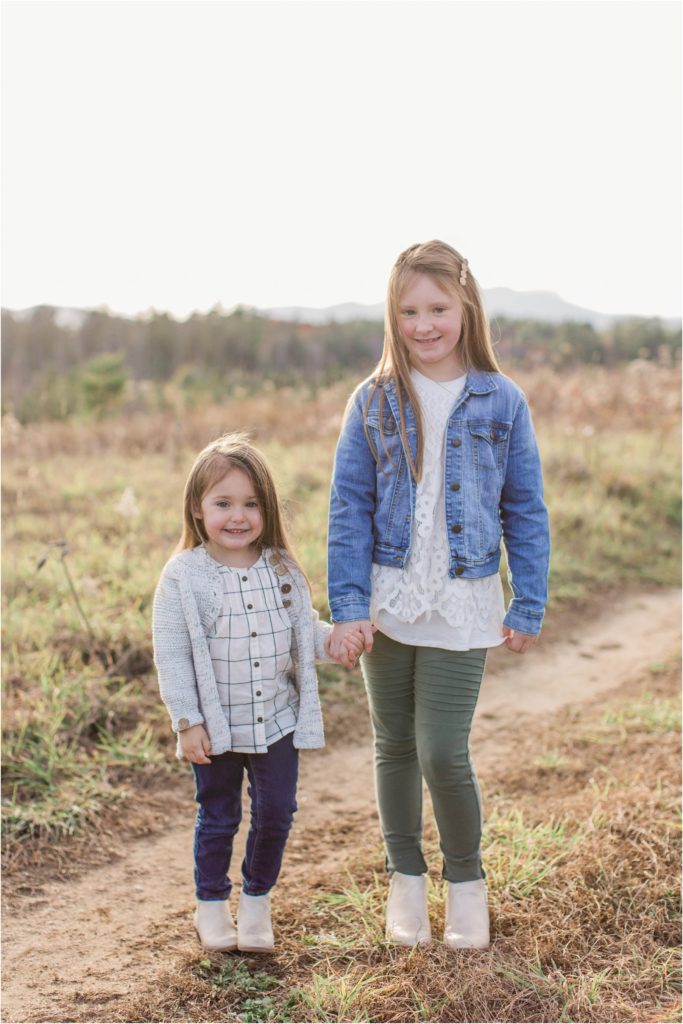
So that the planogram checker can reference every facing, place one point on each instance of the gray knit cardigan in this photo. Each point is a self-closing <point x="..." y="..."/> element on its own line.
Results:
<point x="187" y="602"/>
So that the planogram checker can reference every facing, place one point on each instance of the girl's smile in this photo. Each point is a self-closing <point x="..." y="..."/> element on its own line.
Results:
<point x="232" y="520"/>
<point x="431" y="324"/>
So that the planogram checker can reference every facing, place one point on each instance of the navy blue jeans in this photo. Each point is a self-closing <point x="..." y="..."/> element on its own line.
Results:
<point x="272" y="789"/>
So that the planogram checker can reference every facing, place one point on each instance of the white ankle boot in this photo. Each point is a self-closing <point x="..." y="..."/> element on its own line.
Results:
<point x="254" y="927"/>
<point x="407" y="915"/>
<point x="467" y="915"/>
<point x="215" y="926"/>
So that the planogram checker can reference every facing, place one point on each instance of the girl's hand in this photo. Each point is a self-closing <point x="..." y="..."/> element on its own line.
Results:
<point x="341" y="634"/>
<point x="518" y="642"/>
<point x="353" y="645"/>
<point x="195" y="744"/>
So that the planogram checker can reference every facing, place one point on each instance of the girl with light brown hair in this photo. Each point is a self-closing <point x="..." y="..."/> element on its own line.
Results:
<point x="436" y="463"/>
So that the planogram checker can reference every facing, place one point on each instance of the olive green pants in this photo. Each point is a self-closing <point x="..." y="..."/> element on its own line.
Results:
<point x="422" y="702"/>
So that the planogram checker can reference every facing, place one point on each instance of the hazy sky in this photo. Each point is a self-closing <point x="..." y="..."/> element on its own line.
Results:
<point x="176" y="155"/>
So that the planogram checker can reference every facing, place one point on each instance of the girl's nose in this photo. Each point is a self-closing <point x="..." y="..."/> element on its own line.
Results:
<point x="423" y="325"/>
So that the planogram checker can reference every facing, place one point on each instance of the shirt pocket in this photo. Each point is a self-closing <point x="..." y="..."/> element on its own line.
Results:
<point x="489" y="440"/>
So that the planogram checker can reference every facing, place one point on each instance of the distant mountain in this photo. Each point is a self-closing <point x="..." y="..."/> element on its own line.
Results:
<point x="498" y="301"/>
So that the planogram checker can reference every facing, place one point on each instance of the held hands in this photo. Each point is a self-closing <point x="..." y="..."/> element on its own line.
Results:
<point x="347" y="641"/>
<point x="518" y="642"/>
<point x="195" y="744"/>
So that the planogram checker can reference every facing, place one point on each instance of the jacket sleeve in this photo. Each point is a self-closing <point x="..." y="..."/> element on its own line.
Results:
<point x="321" y="630"/>
<point x="352" y="509"/>
<point x="524" y="520"/>
<point x="173" y="655"/>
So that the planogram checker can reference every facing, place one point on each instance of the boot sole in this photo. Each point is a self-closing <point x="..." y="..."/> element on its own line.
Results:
<point x="256" y="949"/>
<point x="407" y="945"/>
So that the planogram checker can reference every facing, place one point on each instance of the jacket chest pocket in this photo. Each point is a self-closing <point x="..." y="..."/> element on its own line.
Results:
<point x="489" y="440"/>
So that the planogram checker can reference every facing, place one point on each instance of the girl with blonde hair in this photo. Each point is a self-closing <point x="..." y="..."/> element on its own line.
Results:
<point x="436" y="463"/>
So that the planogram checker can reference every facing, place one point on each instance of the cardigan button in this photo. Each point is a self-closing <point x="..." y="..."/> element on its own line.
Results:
<point x="286" y="587"/>
<point x="184" y="723"/>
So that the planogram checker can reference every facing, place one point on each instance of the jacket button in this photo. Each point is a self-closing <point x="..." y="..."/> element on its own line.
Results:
<point x="456" y="442"/>
<point x="286" y="587"/>
<point x="455" y="487"/>
<point x="286" y="604"/>
<point x="459" y="571"/>
<point x="454" y="529"/>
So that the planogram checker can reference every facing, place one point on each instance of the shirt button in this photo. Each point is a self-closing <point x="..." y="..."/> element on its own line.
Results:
<point x="456" y="442"/>
<point x="258" y="693"/>
<point x="286" y="604"/>
<point x="259" y="719"/>
<point x="459" y="571"/>
<point x="286" y="587"/>
<point x="455" y="529"/>
<point x="257" y="664"/>
<point x="253" y="634"/>
<point x="244" y="579"/>
<point x="249" y="607"/>
<point x="455" y="487"/>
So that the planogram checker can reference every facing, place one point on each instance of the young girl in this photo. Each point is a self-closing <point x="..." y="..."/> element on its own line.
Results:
<point x="436" y="461"/>
<point x="235" y="645"/>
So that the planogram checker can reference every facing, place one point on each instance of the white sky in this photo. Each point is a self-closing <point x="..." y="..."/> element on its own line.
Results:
<point x="177" y="155"/>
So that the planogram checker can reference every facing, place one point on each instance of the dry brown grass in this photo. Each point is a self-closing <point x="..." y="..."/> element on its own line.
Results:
<point x="635" y="396"/>
<point x="583" y="860"/>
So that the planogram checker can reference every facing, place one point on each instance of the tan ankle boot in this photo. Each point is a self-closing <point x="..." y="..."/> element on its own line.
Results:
<point x="215" y="926"/>
<point x="254" y="927"/>
<point x="467" y="915"/>
<point x="407" y="916"/>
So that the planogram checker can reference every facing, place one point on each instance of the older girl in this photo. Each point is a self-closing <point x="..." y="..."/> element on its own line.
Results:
<point x="436" y="462"/>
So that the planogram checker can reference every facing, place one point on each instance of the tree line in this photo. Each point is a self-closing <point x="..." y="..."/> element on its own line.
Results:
<point x="53" y="371"/>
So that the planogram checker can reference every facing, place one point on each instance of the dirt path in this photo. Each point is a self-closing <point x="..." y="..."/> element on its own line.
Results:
<point x="77" y="950"/>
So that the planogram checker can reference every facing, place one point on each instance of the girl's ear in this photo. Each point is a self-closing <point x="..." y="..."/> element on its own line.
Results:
<point x="197" y="513"/>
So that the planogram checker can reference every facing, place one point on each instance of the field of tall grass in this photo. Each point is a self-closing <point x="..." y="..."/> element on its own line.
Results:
<point x="92" y="512"/>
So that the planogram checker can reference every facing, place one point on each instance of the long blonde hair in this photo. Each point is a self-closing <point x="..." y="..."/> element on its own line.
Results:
<point x="444" y="265"/>
<point x="234" y="451"/>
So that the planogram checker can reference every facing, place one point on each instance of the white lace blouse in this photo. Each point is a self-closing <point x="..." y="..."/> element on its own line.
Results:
<point x="421" y="604"/>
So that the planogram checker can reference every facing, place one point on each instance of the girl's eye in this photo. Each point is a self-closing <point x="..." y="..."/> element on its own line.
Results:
<point x="439" y="309"/>
<point x="252" y="504"/>
<point x="408" y="312"/>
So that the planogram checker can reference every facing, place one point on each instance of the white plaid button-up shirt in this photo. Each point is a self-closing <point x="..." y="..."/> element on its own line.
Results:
<point x="250" y="647"/>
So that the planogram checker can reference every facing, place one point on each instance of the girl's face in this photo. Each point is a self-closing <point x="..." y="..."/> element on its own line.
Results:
<point x="232" y="518"/>
<point x="431" y="323"/>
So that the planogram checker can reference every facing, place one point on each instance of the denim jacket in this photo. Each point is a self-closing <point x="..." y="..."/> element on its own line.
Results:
<point x="493" y="489"/>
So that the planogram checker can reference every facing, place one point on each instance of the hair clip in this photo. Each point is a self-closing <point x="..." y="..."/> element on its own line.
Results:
<point x="463" y="272"/>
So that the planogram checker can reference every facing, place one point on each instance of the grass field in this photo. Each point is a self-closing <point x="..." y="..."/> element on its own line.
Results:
<point x="92" y="512"/>
<point x="581" y="849"/>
